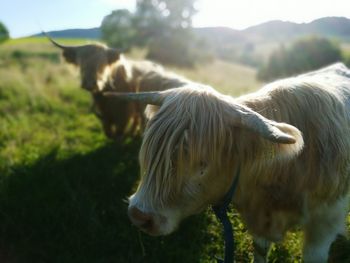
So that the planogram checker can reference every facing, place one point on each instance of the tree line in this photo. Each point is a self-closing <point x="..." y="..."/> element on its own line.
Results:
<point x="4" y="33"/>
<point x="164" y="27"/>
<point x="303" y="55"/>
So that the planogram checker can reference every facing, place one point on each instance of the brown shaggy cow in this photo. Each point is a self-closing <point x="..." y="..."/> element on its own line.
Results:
<point x="105" y="69"/>
<point x="290" y="140"/>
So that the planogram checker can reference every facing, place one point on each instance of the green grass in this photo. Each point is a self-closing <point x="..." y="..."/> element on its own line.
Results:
<point x="63" y="184"/>
<point x="42" y="40"/>
<point x="228" y="78"/>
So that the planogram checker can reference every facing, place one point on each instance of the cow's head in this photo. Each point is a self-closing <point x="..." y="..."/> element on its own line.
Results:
<point x="190" y="153"/>
<point x="93" y="60"/>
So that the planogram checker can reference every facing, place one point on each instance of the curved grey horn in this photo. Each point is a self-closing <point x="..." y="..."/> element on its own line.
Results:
<point x="55" y="43"/>
<point x="268" y="129"/>
<point x="154" y="97"/>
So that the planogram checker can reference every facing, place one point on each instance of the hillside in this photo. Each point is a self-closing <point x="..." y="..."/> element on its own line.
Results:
<point x="338" y="27"/>
<point x="89" y="33"/>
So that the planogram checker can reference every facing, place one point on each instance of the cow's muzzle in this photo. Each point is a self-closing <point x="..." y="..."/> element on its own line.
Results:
<point x="147" y="222"/>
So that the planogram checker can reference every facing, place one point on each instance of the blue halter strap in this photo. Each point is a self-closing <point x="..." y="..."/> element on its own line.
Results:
<point x="221" y="214"/>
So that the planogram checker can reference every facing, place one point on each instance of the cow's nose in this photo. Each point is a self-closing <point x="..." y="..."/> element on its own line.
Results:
<point x="142" y="220"/>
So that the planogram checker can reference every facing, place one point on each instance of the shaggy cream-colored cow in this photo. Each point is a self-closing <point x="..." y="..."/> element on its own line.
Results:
<point x="106" y="69"/>
<point x="290" y="140"/>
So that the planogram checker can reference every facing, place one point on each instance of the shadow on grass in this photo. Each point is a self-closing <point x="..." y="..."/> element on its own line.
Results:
<point x="72" y="210"/>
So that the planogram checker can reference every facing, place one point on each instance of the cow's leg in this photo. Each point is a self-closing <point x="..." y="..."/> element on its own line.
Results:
<point x="112" y="131"/>
<point x="134" y="125"/>
<point x="322" y="229"/>
<point x="108" y="128"/>
<point x="261" y="248"/>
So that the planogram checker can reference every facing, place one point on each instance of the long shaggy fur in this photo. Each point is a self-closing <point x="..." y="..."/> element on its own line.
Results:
<point x="189" y="115"/>
<point x="105" y="69"/>
<point x="194" y="125"/>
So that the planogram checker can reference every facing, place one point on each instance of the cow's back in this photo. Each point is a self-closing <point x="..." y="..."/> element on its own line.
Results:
<point x="318" y="104"/>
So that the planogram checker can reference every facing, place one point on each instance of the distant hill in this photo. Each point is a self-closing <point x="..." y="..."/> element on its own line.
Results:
<point x="221" y="34"/>
<point x="90" y="33"/>
<point x="253" y="45"/>
<point x="275" y="29"/>
<point x="330" y="26"/>
<point x="338" y="27"/>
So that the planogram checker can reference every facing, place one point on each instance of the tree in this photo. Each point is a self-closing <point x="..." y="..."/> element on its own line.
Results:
<point x="304" y="55"/>
<point x="4" y="33"/>
<point x="156" y="18"/>
<point x="165" y="27"/>
<point x="118" y="29"/>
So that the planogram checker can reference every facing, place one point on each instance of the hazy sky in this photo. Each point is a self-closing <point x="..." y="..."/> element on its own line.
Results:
<point x="25" y="17"/>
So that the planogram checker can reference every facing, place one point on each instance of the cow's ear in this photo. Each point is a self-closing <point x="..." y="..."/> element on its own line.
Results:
<point x="69" y="52"/>
<point x="70" y="55"/>
<point x="285" y="150"/>
<point x="113" y="55"/>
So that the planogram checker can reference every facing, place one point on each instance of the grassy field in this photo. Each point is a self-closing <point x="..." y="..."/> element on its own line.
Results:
<point x="63" y="184"/>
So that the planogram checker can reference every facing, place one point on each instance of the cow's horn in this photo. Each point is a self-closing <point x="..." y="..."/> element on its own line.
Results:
<point x="154" y="97"/>
<point x="57" y="44"/>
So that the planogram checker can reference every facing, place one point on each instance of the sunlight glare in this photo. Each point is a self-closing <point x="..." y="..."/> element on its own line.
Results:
<point x="242" y="14"/>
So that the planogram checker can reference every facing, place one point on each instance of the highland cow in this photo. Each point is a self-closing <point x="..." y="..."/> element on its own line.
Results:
<point x="290" y="140"/>
<point x="106" y="69"/>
